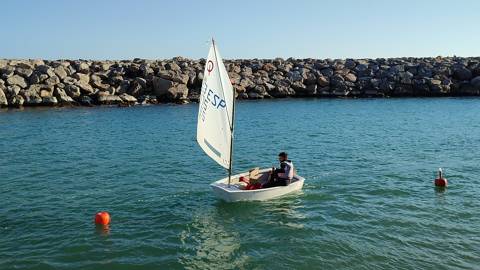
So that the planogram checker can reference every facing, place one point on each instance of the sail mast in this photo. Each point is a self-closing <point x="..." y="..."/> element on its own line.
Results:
<point x="233" y="116"/>
<point x="231" y="140"/>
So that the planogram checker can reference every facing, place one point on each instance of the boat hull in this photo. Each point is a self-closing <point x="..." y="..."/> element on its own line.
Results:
<point x="234" y="193"/>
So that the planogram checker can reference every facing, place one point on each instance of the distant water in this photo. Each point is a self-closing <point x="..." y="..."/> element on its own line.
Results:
<point x="368" y="202"/>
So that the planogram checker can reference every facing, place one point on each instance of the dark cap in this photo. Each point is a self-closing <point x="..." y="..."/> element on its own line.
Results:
<point x="283" y="154"/>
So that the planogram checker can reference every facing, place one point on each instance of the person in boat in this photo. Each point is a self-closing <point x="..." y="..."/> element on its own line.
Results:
<point x="283" y="175"/>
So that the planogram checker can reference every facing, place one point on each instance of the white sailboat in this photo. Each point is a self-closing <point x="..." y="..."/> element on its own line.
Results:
<point x="215" y="126"/>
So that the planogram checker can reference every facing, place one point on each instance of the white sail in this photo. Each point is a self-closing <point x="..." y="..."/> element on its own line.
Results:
<point x="215" y="113"/>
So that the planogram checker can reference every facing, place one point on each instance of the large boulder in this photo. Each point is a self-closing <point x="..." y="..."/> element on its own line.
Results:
<point x="324" y="92"/>
<point x="37" y="78"/>
<point x="44" y="69"/>
<point x="259" y="91"/>
<point x="95" y="78"/>
<point x="85" y="87"/>
<point x="111" y="90"/>
<point x="351" y="77"/>
<point x="337" y="80"/>
<point x="234" y="78"/>
<point x="462" y="73"/>
<point x="269" y="86"/>
<point x="363" y="83"/>
<point x="86" y="100"/>
<point x="12" y="90"/>
<point x="437" y="86"/>
<point x="172" y="66"/>
<point x="242" y="95"/>
<point x="405" y="77"/>
<point x="147" y="99"/>
<point x="141" y="81"/>
<point x="105" y="66"/>
<point x="350" y="63"/>
<point x="69" y="80"/>
<point x="25" y="64"/>
<point x="465" y="88"/>
<point x="310" y="79"/>
<point x="302" y="90"/>
<point x="17" y="101"/>
<point x="46" y="93"/>
<point x="476" y="82"/>
<point x="82" y="77"/>
<point x="44" y="90"/>
<point x="109" y="99"/>
<point x="72" y="90"/>
<point x="3" y="99"/>
<point x="137" y="87"/>
<point x="323" y="81"/>
<point x="194" y="95"/>
<point x="7" y="72"/>
<point x="53" y="80"/>
<point x="83" y="67"/>
<point x="24" y="72"/>
<point x="36" y="62"/>
<point x="49" y="101"/>
<point x="362" y="70"/>
<point x="128" y="98"/>
<point x="295" y="76"/>
<point x="102" y="93"/>
<point x="99" y="85"/>
<point x="146" y="70"/>
<point x="175" y="76"/>
<point x="178" y="93"/>
<point x="61" y="72"/>
<point x="269" y="67"/>
<point x="124" y="87"/>
<point x="247" y="83"/>
<point x="282" y="89"/>
<point x="62" y="96"/>
<point x="161" y="86"/>
<point x="17" y="80"/>
<point x="31" y="98"/>
<point x="169" y="90"/>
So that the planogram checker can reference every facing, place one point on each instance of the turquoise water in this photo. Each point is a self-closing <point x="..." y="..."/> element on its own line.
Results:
<point x="368" y="201"/>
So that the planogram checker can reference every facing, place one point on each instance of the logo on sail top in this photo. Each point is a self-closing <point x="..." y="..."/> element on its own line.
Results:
<point x="209" y="66"/>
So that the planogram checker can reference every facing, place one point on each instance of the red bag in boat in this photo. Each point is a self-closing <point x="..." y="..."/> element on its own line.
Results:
<point x="253" y="186"/>
<point x="244" y="179"/>
<point x="250" y="186"/>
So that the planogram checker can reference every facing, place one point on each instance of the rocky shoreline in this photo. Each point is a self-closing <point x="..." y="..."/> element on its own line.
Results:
<point x="178" y="80"/>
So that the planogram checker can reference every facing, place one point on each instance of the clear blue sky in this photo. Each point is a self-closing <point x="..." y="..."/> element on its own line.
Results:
<point x="120" y="29"/>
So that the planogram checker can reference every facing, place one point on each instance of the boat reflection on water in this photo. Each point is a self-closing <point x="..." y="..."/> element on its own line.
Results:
<point x="227" y="234"/>
<point x="210" y="244"/>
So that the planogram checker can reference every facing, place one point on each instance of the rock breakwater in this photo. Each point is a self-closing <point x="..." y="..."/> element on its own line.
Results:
<point x="139" y="81"/>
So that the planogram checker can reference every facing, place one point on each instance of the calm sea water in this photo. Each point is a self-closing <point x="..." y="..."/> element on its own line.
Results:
<point x="368" y="201"/>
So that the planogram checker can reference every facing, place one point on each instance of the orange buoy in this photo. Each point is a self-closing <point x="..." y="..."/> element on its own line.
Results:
<point x="440" y="181"/>
<point x="102" y="218"/>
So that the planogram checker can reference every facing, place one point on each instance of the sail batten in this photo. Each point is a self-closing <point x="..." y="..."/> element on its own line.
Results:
<point x="215" y="114"/>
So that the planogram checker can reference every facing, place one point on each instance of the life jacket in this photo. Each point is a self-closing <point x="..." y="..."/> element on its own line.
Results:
<point x="288" y="170"/>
